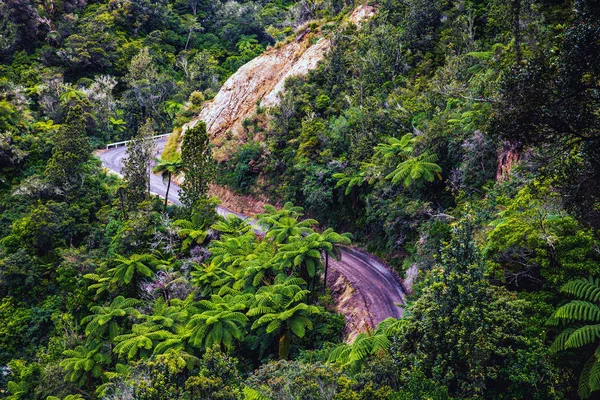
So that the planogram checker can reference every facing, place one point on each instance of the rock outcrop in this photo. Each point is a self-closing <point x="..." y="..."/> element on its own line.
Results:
<point x="260" y="81"/>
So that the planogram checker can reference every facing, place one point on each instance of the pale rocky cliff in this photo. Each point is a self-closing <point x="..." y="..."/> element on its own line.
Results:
<point x="262" y="80"/>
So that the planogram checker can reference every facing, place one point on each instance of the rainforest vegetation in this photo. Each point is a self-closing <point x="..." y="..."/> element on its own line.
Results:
<point x="458" y="140"/>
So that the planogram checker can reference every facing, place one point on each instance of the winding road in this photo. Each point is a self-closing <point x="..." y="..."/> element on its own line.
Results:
<point x="375" y="282"/>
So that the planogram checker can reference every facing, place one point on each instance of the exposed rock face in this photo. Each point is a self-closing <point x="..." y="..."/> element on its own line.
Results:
<point x="306" y="62"/>
<point x="361" y="14"/>
<point x="262" y="80"/>
<point x="351" y="304"/>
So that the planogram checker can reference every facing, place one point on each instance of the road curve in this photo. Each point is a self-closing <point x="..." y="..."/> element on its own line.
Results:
<point x="375" y="282"/>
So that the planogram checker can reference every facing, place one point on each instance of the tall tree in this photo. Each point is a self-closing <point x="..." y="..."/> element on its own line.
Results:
<point x="468" y="335"/>
<point x="71" y="150"/>
<point x="136" y="168"/>
<point x="199" y="165"/>
<point x="551" y="103"/>
<point x="219" y="321"/>
<point x="330" y="242"/>
<point x="168" y="170"/>
<point x="191" y="24"/>
<point x="280" y="309"/>
<point x="148" y="89"/>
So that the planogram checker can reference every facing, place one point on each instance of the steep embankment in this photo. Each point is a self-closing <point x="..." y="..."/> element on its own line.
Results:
<point x="260" y="81"/>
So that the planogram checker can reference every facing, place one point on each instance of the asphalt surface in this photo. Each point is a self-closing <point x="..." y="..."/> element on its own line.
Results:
<point x="374" y="281"/>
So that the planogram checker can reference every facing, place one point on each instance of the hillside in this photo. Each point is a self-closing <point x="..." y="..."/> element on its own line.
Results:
<point x="357" y="200"/>
<point x="260" y="82"/>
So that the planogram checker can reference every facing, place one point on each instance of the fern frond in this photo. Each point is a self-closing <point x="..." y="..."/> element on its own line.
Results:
<point x="578" y="310"/>
<point x="253" y="394"/>
<point x="583" y="336"/>
<point x="585" y="289"/>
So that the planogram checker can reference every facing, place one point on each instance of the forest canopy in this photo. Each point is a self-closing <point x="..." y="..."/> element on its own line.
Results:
<point x="458" y="142"/>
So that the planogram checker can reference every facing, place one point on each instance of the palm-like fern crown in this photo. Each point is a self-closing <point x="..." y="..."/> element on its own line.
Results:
<point x="168" y="168"/>
<point x="232" y="225"/>
<point x="303" y="251"/>
<point x="219" y="321"/>
<point x="192" y="231"/>
<point x="142" y="339"/>
<point x="279" y="299"/>
<point x="285" y="228"/>
<point x="329" y="241"/>
<point x="416" y="169"/>
<point x="107" y="318"/>
<point x="170" y="315"/>
<point x="350" y="180"/>
<point x="258" y="267"/>
<point x="280" y="310"/>
<point x="161" y="331"/>
<point x="582" y="320"/>
<point x="84" y="360"/>
<point x="209" y="277"/>
<point x="272" y="215"/>
<point x="395" y="148"/>
<point x="353" y="356"/>
<point x="127" y="268"/>
<point x="232" y="251"/>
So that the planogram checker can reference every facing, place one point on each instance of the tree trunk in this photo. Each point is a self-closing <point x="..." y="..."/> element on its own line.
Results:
<point x="122" y="201"/>
<point x="167" y="194"/>
<point x="507" y="159"/>
<point x="188" y="39"/>
<point x="326" y="270"/>
<point x="285" y="343"/>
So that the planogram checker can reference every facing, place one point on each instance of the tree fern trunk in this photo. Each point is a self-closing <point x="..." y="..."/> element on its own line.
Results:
<point x="285" y="343"/>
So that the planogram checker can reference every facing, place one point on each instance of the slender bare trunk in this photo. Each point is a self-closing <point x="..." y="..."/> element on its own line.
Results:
<point x="188" y="40"/>
<point x="167" y="194"/>
<point x="326" y="270"/>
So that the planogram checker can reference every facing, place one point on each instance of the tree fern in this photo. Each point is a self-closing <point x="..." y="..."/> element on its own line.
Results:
<point x="192" y="231"/>
<point x="280" y="311"/>
<point x="349" y="180"/>
<point x="106" y="319"/>
<point x="141" y="340"/>
<point x="128" y="269"/>
<point x="232" y="225"/>
<point x="396" y="148"/>
<point x="577" y="313"/>
<point x="84" y="362"/>
<point x="353" y="356"/>
<point x="219" y="321"/>
<point x="415" y="170"/>
<point x="272" y="215"/>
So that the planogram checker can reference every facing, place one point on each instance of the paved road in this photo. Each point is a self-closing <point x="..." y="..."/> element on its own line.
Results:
<point x="375" y="282"/>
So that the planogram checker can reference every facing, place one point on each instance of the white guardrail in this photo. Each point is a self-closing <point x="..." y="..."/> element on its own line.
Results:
<point x="117" y="144"/>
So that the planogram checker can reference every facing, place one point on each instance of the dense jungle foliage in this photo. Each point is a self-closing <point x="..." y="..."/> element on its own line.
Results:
<point x="458" y="140"/>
